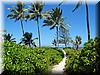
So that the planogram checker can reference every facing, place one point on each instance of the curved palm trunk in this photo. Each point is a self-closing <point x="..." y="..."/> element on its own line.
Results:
<point x="57" y="36"/>
<point x="22" y="27"/>
<point x="38" y="32"/>
<point x="87" y="20"/>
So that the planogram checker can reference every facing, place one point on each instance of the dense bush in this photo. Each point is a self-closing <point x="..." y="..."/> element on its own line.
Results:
<point x="69" y="51"/>
<point x="97" y="40"/>
<point x="82" y="61"/>
<point x="20" y="59"/>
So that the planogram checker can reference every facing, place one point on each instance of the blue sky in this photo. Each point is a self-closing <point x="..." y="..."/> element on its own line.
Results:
<point x="76" y="20"/>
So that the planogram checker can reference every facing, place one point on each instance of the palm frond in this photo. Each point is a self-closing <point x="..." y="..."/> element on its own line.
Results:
<point x="32" y="16"/>
<point x="45" y="25"/>
<point x="13" y="39"/>
<point x="77" y="5"/>
<point x="35" y="39"/>
<point x="52" y="27"/>
<point x="61" y="3"/>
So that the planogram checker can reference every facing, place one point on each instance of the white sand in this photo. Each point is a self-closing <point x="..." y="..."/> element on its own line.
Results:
<point x="59" y="68"/>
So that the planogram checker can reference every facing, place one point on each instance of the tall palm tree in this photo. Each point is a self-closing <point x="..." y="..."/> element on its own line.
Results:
<point x="9" y="37"/>
<point x="35" y="13"/>
<point x="53" y="20"/>
<point x="27" y="39"/>
<point x="87" y="15"/>
<point x="18" y="13"/>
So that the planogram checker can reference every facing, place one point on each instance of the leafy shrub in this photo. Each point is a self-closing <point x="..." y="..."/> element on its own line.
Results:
<point x="82" y="60"/>
<point x="20" y="59"/>
<point x="72" y="60"/>
<point x="69" y="51"/>
<point x="97" y="39"/>
<point x="88" y="57"/>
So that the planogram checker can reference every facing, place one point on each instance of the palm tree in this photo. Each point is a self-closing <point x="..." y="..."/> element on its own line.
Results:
<point x="78" y="41"/>
<point x="53" y="20"/>
<point x="27" y="39"/>
<point x="87" y="15"/>
<point x="9" y="37"/>
<point x="35" y="13"/>
<point x="18" y="13"/>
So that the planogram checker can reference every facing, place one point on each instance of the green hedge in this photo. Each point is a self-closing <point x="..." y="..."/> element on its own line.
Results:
<point x="82" y="61"/>
<point x="20" y="59"/>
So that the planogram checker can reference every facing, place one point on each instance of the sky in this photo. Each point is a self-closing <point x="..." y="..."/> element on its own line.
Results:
<point x="76" y="20"/>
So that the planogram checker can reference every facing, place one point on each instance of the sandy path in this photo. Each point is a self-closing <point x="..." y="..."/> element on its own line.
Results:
<point x="58" y="69"/>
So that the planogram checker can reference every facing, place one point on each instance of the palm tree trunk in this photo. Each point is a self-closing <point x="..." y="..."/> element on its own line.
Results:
<point x="22" y="27"/>
<point x="38" y="32"/>
<point x="65" y="42"/>
<point x="65" y="45"/>
<point x="87" y="20"/>
<point x="57" y="35"/>
<point x="76" y="47"/>
<point x="29" y="45"/>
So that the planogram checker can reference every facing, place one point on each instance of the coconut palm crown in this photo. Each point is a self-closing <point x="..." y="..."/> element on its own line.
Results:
<point x="27" y="39"/>
<point x="18" y="13"/>
<point x="53" y="19"/>
<point x="78" y="41"/>
<point x="9" y="38"/>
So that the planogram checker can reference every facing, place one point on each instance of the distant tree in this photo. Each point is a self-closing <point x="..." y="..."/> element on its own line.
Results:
<point x="54" y="42"/>
<point x="64" y="40"/>
<point x="9" y="37"/>
<point x="27" y="40"/>
<point x="78" y="41"/>
<point x="18" y="13"/>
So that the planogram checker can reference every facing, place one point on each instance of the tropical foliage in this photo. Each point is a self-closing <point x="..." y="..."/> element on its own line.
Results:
<point x="9" y="37"/>
<point x="23" y="59"/>
<point x="78" y="41"/>
<point x="54" y="20"/>
<point x="20" y="59"/>
<point x="18" y="13"/>
<point x="82" y="61"/>
<point x="35" y="13"/>
<point x="27" y="40"/>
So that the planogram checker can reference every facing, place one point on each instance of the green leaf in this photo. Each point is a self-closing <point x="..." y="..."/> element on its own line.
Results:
<point x="52" y="27"/>
<point x="77" y="6"/>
